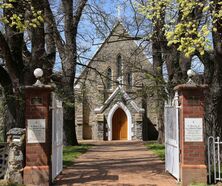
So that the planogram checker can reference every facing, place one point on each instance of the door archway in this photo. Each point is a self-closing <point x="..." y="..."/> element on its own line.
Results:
<point x="119" y="125"/>
<point x="129" y="120"/>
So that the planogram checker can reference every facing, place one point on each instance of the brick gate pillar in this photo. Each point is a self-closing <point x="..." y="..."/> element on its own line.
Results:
<point x="192" y="148"/>
<point x="37" y="169"/>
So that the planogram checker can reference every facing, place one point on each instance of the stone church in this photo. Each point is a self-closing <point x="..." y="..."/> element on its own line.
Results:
<point x="111" y="99"/>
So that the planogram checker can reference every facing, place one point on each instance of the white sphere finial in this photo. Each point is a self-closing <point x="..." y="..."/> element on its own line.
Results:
<point x="119" y="9"/>
<point x="38" y="73"/>
<point x="190" y="73"/>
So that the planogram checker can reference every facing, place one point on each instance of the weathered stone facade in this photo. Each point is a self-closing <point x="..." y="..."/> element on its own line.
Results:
<point x="16" y="141"/>
<point x="114" y="79"/>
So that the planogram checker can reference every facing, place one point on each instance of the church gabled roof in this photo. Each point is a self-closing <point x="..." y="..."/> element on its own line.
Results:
<point x="124" y="33"/>
<point x="126" y="96"/>
<point x="99" y="49"/>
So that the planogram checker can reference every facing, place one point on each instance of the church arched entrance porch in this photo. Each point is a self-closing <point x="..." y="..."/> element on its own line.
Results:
<point x="112" y="111"/>
<point x="119" y="125"/>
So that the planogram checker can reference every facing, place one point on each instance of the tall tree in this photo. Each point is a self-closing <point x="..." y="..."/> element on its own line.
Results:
<point x="22" y="58"/>
<point x="198" y="31"/>
<point x="67" y="49"/>
<point x="19" y="62"/>
<point x="176" y="63"/>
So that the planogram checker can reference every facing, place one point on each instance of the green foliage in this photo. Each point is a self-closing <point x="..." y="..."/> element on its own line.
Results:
<point x="20" y="14"/>
<point x="153" y="9"/>
<point x="191" y="34"/>
<point x="70" y="153"/>
<point x="190" y="25"/>
<point x="157" y="149"/>
<point x="198" y="184"/>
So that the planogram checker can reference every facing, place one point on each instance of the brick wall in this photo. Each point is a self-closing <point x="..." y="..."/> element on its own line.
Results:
<point x="192" y="156"/>
<point x="37" y="163"/>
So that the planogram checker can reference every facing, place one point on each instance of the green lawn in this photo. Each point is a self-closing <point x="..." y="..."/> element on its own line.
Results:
<point x="5" y="183"/>
<point x="156" y="148"/>
<point x="199" y="184"/>
<point x="70" y="153"/>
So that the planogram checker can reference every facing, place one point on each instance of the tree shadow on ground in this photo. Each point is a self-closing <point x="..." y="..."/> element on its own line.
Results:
<point x="84" y="172"/>
<point x="106" y="162"/>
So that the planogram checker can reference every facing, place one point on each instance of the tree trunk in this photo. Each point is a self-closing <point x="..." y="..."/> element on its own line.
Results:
<point x="159" y="87"/>
<point x="213" y="102"/>
<point x="213" y="77"/>
<point x="69" y="66"/>
<point x="10" y="101"/>
<point x="69" y="124"/>
<point x="68" y="54"/>
<point x="161" y="128"/>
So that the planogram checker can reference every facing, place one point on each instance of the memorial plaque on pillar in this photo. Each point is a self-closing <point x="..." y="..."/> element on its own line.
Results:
<point x="36" y="131"/>
<point x="36" y="101"/>
<point x="193" y="129"/>
<point x="193" y="100"/>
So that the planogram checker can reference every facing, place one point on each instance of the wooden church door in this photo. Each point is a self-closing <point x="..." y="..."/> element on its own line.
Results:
<point x="119" y="125"/>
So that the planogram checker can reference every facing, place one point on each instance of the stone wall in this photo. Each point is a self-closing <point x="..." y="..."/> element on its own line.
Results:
<point x="91" y="91"/>
<point x="15" y="163"/>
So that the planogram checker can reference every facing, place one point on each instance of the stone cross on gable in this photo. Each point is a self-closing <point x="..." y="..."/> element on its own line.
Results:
<point x="119" y="10"/>
<point x="120" y="81"/>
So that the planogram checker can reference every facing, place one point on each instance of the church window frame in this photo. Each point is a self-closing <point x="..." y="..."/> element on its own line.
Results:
<point x="119" y="65"/>
<point x="109" y="85"/>
<point x="129" y="79"/>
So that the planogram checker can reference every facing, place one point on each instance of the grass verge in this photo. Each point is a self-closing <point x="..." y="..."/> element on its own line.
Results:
<point x="70" y="153"/>
<point x="156" y="148"/>
<point x="199" y="184"/>
<point x="6" y="183"/>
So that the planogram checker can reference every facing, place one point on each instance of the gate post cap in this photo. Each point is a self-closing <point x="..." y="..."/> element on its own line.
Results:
<point x="190" y="73"/>
<point x="16" y="131"/>
<point x="38" y="73"/>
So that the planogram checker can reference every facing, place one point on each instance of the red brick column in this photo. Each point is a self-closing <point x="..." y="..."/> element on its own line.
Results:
<point x="37" y="169"/>
<point x="192" y="156"/>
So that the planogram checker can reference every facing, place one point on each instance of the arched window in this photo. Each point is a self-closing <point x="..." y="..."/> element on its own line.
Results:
<point x="129" y="80"/>
<point x="119" y="66"/>
<point x="109" y="78"/>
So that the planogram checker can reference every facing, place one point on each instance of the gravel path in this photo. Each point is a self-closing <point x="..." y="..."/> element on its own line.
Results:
<point x="117" y="163"/>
